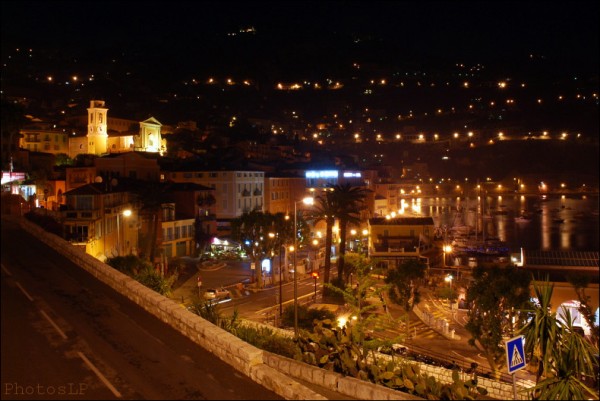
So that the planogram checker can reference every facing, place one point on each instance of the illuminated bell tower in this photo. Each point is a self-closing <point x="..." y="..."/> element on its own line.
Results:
<point x="97" y="135"/>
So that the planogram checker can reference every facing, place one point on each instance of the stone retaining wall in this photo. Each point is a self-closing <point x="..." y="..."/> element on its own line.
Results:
<point x="345" y="385"/>
<point x="496" y="389"/>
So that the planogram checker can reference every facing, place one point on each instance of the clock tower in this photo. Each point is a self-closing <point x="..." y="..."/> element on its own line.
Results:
<point x="97" y="135"/>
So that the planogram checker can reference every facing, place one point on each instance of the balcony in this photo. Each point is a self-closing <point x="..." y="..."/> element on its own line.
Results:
<point x="77" y="238"/>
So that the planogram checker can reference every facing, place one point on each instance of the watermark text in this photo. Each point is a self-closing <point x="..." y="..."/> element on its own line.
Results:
<point x="66" y="389"/>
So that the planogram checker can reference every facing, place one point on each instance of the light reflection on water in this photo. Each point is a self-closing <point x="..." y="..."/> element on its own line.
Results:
<point x="579" y="230"/>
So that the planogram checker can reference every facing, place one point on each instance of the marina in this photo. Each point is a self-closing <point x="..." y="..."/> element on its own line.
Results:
<point x="501" y="225"/>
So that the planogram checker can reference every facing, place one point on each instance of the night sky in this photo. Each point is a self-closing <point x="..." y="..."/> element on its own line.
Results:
<point x="564" y="29"/>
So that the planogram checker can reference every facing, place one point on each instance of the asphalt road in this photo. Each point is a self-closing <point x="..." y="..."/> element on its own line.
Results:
<point x="262" y="306"/>
<point x="65" y="335"/>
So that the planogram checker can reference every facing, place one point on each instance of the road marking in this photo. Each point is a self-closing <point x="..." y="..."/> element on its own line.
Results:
<point x="6" y="270"/>
<point x="100" y="375"/>
<point x="62" y="333"/>
<point x="24" y="292"/>
<point x="132" y="321"/>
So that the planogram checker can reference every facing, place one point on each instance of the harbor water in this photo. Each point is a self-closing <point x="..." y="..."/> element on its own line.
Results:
<point x="560" y="222"/>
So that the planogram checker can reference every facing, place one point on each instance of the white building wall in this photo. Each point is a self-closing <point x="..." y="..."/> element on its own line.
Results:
<point x="229" y="189"/>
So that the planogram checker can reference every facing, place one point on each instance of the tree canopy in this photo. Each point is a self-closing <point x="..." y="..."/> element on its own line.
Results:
<point x="404" y="283"/>
<point x="495" y="296"/>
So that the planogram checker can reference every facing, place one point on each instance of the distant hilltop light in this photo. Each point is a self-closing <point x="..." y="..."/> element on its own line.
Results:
<point x="244" y="30"/>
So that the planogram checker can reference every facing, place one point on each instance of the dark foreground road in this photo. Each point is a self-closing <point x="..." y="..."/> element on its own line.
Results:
<point x="65" y="335"/>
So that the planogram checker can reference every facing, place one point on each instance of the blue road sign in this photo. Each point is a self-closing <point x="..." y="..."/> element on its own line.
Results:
<point x="515" y="354"/>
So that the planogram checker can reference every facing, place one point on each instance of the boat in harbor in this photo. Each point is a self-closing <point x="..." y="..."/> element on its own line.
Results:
<point x="478" y="246"/>
<point x="522" y="219"/>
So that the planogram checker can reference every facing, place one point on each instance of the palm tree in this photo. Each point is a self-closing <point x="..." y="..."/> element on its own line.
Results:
<point x="283" y="228"/>
<point x="325" y="209"/>
<point x="252" y="231"/>
<point x="151" y="196"/>
<point x="561" y="356"/>
<point x="201" y="233"/>
<point x="350" y="202"/>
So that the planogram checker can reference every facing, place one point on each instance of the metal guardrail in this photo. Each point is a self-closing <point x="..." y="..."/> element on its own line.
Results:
<point x="463" y="364"/>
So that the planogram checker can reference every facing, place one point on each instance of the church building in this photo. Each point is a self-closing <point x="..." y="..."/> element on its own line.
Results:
<point x="109" y="135"/>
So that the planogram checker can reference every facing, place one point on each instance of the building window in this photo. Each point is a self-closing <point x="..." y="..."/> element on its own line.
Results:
<point x="83" y="203"/>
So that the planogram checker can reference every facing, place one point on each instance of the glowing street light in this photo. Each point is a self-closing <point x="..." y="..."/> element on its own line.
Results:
<point x="126" y="213"/>
<point x="449" y="279"/>
<point x="446" y="249"/>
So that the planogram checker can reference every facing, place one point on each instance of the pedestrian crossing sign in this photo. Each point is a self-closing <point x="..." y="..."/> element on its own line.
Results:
<point x="515" y="354"/>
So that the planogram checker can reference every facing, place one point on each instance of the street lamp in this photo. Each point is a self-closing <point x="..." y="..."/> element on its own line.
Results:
<point x="280" y="284"/>
<point x="126" y="213"/>
<point x="309" y="200"/>
<point x="447" y="249"/>
<point x="449" y="279"/>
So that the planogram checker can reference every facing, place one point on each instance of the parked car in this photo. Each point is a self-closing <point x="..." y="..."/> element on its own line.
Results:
<point x="216" y="294"/>
<point x="397" y="349"/>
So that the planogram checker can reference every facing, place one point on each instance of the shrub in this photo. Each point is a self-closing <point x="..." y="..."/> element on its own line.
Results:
<point x="265" y="339"/>
<point x="153" y="280"/>
<point x="129" y="264"/>
<point x="306" y="316"/>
